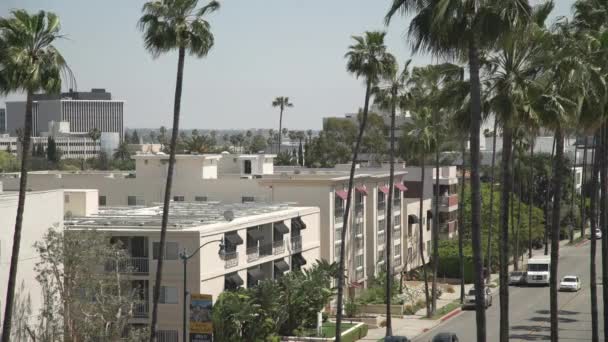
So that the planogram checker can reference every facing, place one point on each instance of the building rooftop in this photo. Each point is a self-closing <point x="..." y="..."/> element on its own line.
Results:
<point x="162" y="155"/>
<point x="182" y="215"/>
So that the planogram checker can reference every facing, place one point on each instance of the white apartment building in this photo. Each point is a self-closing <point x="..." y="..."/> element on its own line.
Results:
<point x="262" y="241"/>
<point x="43" y="210"/>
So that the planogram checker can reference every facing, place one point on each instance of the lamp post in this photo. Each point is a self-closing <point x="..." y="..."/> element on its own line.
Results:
<point x="185" y="257"/>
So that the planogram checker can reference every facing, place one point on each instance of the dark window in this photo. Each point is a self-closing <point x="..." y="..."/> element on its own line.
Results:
<point x="200" y="198"/>
<point x="131" y="200"/>
<point x="102" y="200"/>
<point x="178" y="198"/>
<point x="247" y="167"/>
<point x="246" y="199"/>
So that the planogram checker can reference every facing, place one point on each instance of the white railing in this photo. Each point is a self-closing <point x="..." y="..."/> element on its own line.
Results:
<point x="253" y="253"/>
<point x="278" y="247"/>
<point x="138" y="265"/>
<point x="231" y="259"/>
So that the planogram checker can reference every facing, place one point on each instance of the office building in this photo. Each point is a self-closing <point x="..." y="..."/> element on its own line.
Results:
<point x="261" y="241"/>
<point x="2" y="120"/>
<point x="83" y="110"/>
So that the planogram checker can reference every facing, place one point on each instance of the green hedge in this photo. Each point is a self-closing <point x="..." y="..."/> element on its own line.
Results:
<point x="356" y="334"/>
<point x="449" y="262"/>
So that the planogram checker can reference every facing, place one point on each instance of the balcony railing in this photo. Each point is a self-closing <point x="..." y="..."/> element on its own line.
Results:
<point x="139" y="265"/>
<point x="296" y="243"/>
<point x="141" y="310"/>
<point x="397" y="233"/>
<point x="339" y="216"/>
<point x="359" y="208"/>
<point x="381" y="237"/>
<point x="358" y="231"/>
<point x="253" y="253"/>
<point x="397" y="261"/>
<point x="231" y="259"/>
<point x="359" y="274"/>
<point x="397" y="203"/>
<point x="278" y="247"/>
<point x="448" y="200"/>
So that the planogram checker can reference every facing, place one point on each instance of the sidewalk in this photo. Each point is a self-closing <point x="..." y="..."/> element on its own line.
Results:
<point x="413" y="325"/>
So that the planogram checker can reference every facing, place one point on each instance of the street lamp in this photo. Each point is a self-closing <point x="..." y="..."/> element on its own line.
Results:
<point x="185" y="257"/>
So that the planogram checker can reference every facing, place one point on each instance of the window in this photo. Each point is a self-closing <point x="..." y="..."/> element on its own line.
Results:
<point x="381" y="225"/>
<point x="102" y="200"/>
<point x="337" y="252"/>
<point x="200" y="198"/>
<point x="178" y="198"/>
<point x="171" y="250"/>
<point x="429" y="222"/>
<point x="246" y="199"/>
<point x="359" y="261"/>
<point x="397" y="220"/>
<point x="66" y="198"/>
<point x="168" y="295"/>
<point x="131" y="200"/>
<point x="247" y="167"/>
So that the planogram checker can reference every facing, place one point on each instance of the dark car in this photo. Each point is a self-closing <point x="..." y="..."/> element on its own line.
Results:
<point x="396" y="339"/>
<point x="445" y="337"/>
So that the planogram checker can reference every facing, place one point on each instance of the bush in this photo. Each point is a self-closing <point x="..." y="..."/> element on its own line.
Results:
<point x="351" y="308"/>
<point x="382" y="323"/>
<point x="409" y="310"/>
<point x="450" y="289"/>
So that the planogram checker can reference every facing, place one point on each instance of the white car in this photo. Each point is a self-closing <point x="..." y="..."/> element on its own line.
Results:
<point x="469" y="299"/>
<point x="598" y="234"/>
<point x="570" y="283"/>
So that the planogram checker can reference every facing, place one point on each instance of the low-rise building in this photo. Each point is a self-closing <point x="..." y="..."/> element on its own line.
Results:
<point x="261" y="241"/>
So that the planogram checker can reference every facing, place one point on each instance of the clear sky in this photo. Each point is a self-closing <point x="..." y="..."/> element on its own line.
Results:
<point x="264" y="49"/>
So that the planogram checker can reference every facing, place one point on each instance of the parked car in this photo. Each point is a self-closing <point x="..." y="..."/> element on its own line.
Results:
<point x="469" y="299"/>
<point x="570" y="283"/>
<point x="598" y="233"/>
<point x="445" y="337"/>
<point x="396" y="339"/>
<point x="517" y="278"/>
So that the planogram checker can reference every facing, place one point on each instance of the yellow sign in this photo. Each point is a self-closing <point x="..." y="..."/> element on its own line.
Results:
<point x="200" y="314"/>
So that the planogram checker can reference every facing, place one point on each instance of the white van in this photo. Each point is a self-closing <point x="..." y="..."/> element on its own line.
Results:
<point x="538" y="270"/>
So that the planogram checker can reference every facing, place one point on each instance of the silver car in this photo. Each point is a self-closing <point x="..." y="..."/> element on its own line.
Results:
<point x="469" y="299"/>
<point x="517" y="278"/>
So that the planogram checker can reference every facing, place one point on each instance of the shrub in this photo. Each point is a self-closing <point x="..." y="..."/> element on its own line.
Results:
<point x="351" y="308"/>
<point x="450" y="289"/>
<point x="421" y="303"/>
<point x="382" y="323"/>
<point x="409" y="310"/>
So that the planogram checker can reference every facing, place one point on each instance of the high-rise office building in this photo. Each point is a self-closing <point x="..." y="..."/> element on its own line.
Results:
<point x="83" y="110"/>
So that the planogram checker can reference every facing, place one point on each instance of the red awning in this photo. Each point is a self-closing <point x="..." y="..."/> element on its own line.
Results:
<point x="401" y="187"/>
<point x="362" y="189"/>
<point x="384" y="189"/>
<point x="342" y="194"/>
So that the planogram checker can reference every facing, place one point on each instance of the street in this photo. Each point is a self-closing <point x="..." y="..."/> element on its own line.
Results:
<point x="529" y="307"/>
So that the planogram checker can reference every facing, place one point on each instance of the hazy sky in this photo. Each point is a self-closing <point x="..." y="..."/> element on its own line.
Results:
<point x="263" y="49"/>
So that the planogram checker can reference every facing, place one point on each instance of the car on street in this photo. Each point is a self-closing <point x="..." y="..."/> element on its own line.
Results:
<point x="570" y="283"/>
<point x="445" y="337"/>
<point x="597" y="235"/>
<point x="517" y="278"/>
<point x="469" y="299"/>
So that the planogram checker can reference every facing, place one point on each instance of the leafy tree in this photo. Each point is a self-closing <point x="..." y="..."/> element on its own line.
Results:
<point x="122" y="152"/>
<point x="174" y="25"/>
<point x="29" y="63"/>
<point x="135" y="137"/>
<point x="258" y="143"/>
<point x="281" y="102"/>
<point x="8" y="163"/>
<point x="300" y="154"/>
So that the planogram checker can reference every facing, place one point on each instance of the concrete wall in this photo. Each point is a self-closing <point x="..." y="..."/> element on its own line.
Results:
<point x="43" y="210"/>
<point x="80" y="202"/>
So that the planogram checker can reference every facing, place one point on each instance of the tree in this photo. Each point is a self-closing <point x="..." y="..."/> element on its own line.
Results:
<point x="300" y="154"/>
<point x="367" y="58"/>
<point x="162" y="137"/>
<point x="29" y="62"/>
<point x="52" y="152"/>
<point x="90" y="304"/>
<point x="167" y="26"/>
<point x="282" y="103"/>
<point x="258" y="143"/>
<point x="451" y="28"/>
<point x="122" y="152"/>
<point x="135" y="138"/>
<point x="390" y="94"/>
<point x="95" y="135"/>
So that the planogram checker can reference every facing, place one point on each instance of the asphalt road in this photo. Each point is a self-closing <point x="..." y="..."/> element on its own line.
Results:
<point x="529" y="307"/>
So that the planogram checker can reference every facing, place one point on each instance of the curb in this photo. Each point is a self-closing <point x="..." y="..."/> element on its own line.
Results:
<point x="450" y="314"/>
<point x="582" y="243"/>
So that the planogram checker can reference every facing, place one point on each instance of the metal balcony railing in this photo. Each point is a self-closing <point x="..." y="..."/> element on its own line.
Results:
<point x="278" y="247"/>
<point x="296" y="243"/>
<point x="381" y="237"/>
<point x="139" y="265"/>
<point x="141" y="310"/>
<point x="253" y="253"/>
<point x="231" y="259"/>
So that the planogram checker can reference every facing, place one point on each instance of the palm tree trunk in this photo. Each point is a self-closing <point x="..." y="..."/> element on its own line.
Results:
<point x="389" y="220"/>
<point x="548" y="199"/>
<point x="347" y="210"/>
<point x="592" y="257"/>
<point x="604" y="221"/>
<point x="555" y="225"/>
<point x="421" y="238"/>
<point x="491" y="228"/>
<point x="573" y="198"/>
<point x="530" y="199"/>
<point x="12" y="274"/>
<point x="167" y="199"/>
<point x="583" y="191"/>
<point x="435" y="229"/>
<point x="512" y="211"/>
<point x="461" y="223"/>
<point x="520" y="180"/>
<point x="280" y="129"/>
<point x="507" y="142"/>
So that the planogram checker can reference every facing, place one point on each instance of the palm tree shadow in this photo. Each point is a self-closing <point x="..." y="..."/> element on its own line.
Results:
<point x="547" y="319"/>
<point x="561" y="312"/>
<point x="529" y="337"/>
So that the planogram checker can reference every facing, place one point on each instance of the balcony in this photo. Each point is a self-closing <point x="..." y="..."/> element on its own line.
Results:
<point x="339" y="216"/>
<point x="141" y="310"/>
<point x="381" y="237"/>
<point x="359" y="209"/>
<point x="381" y="207"/>
<point x="397" y="203"/>
<point x="139" y="265"/>
<point x="231" y="259"/>
<point x="296" y="243"/>
<point x="253" y="253"/>
<point x="447" y="201"/>
<point x="397" y="261"/>
<point x="359" y="274"/>
<point x="278" y="247"/>
<point x="396" y="233"/>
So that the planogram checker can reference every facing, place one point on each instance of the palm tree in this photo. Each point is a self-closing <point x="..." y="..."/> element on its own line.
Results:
<point x="420" y="141"/>
<point x="95" y="135"/>
<point x="452" y="28"/>
<point x="167" y="26"/>
<point x="281" y="102"/>
<point x="391" y="93"/>
<point x="366" y="58"/>
<point x="29" y="62"/>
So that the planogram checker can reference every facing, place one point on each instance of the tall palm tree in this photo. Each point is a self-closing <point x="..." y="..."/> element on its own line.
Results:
<point x="452" y="28"/>
<point x="420" y="141"/>
<point x="390" y="94"/>
<point x="95" y="135"/>
<point x="29" y="62"/>
<point x="281" y="102"/>
<point x="170" y="25"/>
<point x="366" y="58"/>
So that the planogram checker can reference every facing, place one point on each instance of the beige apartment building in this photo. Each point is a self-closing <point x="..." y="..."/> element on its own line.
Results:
<point x="262" y="241"/>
